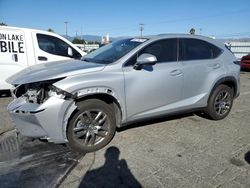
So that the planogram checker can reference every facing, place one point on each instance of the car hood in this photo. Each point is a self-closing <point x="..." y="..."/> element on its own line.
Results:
<point x="53" y="70"/>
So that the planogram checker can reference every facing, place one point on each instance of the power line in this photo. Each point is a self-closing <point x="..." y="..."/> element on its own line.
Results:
<point x="234" y="34"/>
<point x="174" y="20"/>
<point x="201" y="17"/>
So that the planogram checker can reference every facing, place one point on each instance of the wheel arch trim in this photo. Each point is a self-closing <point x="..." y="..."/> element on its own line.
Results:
<point x="227" y="81"/>
<point x="99" y="92"/>
<point x="90" y="93"/>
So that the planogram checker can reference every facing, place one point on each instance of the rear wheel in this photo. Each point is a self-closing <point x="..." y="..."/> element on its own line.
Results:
<point x="220" y="102"/>
<point x="92" y="127"/>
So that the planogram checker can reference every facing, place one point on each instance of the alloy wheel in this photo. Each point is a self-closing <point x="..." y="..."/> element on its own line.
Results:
<point x="91" y="127"/>
<point x="222" y="103"/>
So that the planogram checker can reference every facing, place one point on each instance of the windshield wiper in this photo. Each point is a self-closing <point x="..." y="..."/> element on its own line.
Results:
<point x="104" y="61"/>
<point x="99" y="61"/>
<point x="86" y="59"/>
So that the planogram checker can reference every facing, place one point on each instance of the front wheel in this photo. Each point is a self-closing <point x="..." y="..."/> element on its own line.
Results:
<point x="92" y="127"/>
<point x="220" y="102"/>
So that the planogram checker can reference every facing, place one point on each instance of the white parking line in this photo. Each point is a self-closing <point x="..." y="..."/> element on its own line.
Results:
<point x="245" y="93"/>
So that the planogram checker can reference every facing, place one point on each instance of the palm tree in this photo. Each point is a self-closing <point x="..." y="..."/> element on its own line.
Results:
<point x="3" y="24"/>
<point x="51" y="30"/>
<point x="192" y="31"/>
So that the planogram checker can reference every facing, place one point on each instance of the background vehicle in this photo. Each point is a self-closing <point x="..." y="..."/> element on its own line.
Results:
<point x="22" y="47"/>
<point x="82" y="102"/>
<point x="245" y="62"/>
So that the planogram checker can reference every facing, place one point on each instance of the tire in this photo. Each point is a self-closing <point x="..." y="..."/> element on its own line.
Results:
<point x="92" y="127"/>
<point x="220" y="102"/>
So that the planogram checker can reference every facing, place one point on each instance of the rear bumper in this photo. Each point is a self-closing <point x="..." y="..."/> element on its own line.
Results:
<point x="45" y="120"/>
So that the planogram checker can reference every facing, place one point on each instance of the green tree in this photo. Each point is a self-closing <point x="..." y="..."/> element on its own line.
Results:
<point x="3" y="24"/>
<point x="192" y="31"/>
<point x="51" y="30"/>
<point x="78" y="41"/>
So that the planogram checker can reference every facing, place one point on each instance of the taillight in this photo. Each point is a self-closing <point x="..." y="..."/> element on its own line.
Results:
<point x="237" y="62"/>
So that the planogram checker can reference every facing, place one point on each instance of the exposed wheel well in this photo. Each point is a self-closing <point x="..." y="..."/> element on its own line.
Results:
<point x="232" y="85"/>
<point x="107" y="99"/>
<point x="228" y="81"/>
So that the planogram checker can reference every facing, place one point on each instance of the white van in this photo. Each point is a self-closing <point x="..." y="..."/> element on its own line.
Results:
<point x="22" y="47"/>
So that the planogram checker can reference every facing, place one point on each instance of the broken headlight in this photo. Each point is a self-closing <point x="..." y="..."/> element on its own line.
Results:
<point x="35" y="95"/>
<point x="36" y="92"/>
<point x="57" y="92"/>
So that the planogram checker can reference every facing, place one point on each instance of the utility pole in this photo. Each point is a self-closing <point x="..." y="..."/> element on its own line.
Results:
<point x="81" y="33"/>
<point x="141" y="28"/>
<point x="200" y="31"/>
<point x="66" y="29"/>
<point x="76" y="34"/>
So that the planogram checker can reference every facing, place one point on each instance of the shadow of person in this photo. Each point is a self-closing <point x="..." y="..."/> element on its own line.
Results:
<point x="247" y="157"/>
<point x="114" y="173"/>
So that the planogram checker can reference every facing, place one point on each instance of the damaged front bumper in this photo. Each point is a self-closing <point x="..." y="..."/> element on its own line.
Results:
<point x="47" y="120"/>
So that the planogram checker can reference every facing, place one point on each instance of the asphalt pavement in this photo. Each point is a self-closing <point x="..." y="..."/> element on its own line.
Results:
<point x="178" y="151"/>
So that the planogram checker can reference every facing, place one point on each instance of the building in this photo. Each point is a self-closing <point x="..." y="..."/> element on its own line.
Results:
<point x="87" y="47"/>
<point x="105" y="39"/>
<point x="239" y="48"/>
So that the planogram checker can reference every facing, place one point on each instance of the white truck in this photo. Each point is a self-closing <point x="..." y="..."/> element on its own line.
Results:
<point x="23" y="47"/>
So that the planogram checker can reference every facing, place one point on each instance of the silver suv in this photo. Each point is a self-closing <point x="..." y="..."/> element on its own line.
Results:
<point x="82" y="102"/>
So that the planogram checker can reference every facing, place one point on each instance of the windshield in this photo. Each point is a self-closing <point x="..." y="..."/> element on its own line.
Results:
<point x="113" y="51"/>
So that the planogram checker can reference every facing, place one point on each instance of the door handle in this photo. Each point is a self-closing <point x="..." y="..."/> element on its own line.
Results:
<point x="214" y="65"/>
<point x="175" y="72"/>
<point x="15" y="57"/>
<point x="42" y="58"/>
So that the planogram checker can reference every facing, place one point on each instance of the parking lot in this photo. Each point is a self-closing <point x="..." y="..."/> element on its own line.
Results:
<point x="179" y="151"/>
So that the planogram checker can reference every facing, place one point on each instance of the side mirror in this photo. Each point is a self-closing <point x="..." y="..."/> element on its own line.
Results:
<point x="145" y="59"/>
<point x="70" y="52"/>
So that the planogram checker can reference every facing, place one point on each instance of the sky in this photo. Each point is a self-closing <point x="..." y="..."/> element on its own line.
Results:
<point x="219" y="18"/>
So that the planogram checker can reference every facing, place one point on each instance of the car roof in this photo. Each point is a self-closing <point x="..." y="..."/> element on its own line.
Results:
<point x="181" y="35"/>
<point x="177" y="35"/>
<point x="30" y="30"/>
<point x="22" y="28"/>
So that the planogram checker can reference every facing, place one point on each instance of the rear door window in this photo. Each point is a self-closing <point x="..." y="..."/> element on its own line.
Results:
<point x="195" y="49"/>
